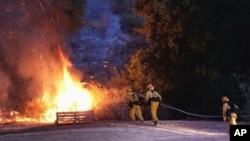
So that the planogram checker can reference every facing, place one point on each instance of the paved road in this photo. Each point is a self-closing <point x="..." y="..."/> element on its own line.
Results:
<point x="119" y="132"/>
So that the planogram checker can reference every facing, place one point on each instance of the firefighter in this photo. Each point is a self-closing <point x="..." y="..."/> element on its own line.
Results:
<point x="153" y="99"/>
<point x="135" y="106"/>
<point x="227" y="114"/>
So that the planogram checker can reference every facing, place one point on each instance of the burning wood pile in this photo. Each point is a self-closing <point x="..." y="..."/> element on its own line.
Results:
<point x="75" y="117"/>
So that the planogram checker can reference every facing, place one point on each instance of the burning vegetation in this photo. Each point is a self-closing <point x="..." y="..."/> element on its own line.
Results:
<point x="37" y="78"/>
<point x="64" y="92"/>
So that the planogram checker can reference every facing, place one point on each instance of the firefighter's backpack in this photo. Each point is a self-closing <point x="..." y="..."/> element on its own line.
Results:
<point x="233" y="109"/>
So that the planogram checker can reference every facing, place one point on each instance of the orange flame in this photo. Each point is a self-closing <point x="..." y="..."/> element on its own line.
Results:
<point x="66" y="95"/>
<point x="71" y="95"/>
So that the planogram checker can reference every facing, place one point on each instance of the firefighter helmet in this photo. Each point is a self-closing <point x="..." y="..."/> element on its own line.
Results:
<point x="150" y="86"/>
<point x="225" y="98"/>
<point x="129" y="90"/>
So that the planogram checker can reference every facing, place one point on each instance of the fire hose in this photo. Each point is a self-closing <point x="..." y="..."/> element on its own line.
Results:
<point x="191" y="114"/>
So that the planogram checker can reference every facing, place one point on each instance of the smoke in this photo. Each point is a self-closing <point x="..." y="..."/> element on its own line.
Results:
<point x="31" y="32"/>
<point x="101" y="40"/>
<point x="5" y="84"/>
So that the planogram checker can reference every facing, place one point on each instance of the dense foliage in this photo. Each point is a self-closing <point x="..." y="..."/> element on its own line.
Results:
<point x="198" y="51"/>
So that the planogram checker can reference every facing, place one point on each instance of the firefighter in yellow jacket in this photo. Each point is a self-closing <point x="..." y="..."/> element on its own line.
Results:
<point x="231" y="117"/>
<point x="153" y="99"/>
<point x="135" y="107"/>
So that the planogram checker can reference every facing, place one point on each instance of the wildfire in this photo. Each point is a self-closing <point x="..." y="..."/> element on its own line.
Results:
<point x="71" y="96"/>
<point x="66" y="93"/>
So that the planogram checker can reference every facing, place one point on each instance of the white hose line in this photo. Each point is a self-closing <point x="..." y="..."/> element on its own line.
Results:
<point x="195" y="115"/>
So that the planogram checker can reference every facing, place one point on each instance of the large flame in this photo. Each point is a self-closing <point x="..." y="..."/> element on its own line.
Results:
<point x="71" y="95"/>
<point x="66" y="93"/>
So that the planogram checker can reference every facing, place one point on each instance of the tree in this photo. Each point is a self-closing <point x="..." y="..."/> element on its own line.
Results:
<point x="193" y="55"/>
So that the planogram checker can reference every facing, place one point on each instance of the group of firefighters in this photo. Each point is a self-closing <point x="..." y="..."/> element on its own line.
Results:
<point x="152" y="98"/>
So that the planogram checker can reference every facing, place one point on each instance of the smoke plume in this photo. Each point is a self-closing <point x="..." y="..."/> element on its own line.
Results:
<point x="100" y="41"/>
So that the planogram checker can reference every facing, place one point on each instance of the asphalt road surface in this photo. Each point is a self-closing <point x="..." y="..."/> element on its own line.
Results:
<point x="117" y="131"/>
